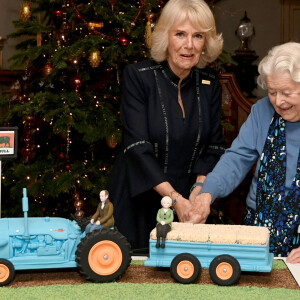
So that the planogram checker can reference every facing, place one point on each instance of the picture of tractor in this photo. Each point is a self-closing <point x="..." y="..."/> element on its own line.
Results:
<point x="30" y="243"/>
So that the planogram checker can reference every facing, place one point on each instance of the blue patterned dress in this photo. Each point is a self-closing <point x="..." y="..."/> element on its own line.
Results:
<point x="276" y="209"/>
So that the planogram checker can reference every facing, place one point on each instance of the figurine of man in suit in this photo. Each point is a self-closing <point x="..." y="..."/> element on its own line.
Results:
<point x="164" y="220"/>
<point x="104" y="214"/>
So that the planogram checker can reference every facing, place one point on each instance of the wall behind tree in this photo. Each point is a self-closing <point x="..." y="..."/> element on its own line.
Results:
<point x="9" y="11"/>
<point x="264" y="14"/>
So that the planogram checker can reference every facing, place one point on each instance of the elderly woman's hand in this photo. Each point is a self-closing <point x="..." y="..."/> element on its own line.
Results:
<point x="195" y="192"/>
<point x="294" y="256"/>
<point x="197" y="189"/>
<point x="200" y="209"/>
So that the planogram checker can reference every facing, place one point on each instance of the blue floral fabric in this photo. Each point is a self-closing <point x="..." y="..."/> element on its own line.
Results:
<point x="275" y="209"/>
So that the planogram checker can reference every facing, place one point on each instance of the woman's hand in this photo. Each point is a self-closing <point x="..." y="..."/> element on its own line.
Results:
<point x="197" y="189"/>
<point x="294" y="256"/>
<point x="183" y="208"/>
<point x="200" y="209"/>
<point x="195" y="192"/>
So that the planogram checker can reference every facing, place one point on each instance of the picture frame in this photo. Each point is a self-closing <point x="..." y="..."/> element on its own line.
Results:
<point x="8" y="142"/>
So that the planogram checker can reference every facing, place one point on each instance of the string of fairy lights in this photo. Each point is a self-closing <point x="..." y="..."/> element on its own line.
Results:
<point x="94" y="28"/>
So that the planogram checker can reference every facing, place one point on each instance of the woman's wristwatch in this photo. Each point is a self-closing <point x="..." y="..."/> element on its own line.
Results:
<point x="196" y="184"/>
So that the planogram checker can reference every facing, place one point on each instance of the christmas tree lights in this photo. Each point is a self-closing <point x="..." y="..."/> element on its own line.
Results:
<point x="67" y="103"/>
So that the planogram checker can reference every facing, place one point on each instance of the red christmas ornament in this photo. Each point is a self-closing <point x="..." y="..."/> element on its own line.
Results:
<point x="122" y="38"/>
<point x="68" y="167"/>
<point x="76" y="82"/>
<point x="61" y="155"/>
<point x="57" y="17"/>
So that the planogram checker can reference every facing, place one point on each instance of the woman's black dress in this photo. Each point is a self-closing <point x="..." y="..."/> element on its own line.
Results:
<point x="159" y="144"/>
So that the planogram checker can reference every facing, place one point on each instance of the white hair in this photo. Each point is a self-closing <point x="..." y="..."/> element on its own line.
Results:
<point x="166" y="198"/>
<point x="282" y="58"/>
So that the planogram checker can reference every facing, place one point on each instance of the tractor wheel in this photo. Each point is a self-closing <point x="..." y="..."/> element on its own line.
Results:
<point x="103" y="255"/>
<point x="7" y="272"/>
<point x="185" y="268"/>
<point x="225" y="270"/>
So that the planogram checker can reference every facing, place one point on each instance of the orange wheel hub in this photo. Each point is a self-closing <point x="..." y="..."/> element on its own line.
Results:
<point x="185" y="269"/>
<point x="224" y="270"/>
<point x="4" y="273"/>
<point x="105" y="258"/>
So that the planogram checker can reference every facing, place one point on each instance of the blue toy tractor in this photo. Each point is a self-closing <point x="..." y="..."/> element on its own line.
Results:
<point x="47" y="243"/>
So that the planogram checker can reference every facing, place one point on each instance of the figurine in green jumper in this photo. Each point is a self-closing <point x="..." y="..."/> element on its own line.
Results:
<point x="164" y="220"/>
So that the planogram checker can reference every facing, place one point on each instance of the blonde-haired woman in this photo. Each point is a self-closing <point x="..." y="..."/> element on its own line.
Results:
<point x="171" y="117"/>
<point x="200" y="16"/>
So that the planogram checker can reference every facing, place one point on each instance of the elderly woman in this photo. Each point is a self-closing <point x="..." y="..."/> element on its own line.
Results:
<point x="270" y="137"/>
<point x="171" y="118"/>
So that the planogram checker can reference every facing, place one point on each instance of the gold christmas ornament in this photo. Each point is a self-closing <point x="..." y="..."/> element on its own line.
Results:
<point x="112" y="141"/>
<point x="148" y="35"/>
<point x="95" y="58"/>
<point x="25" y="12"/>
<point x="149" y="27"/>
<point x="95" y="25"/>
<point x="78" y="204"/>
<point x="47" y="69"/>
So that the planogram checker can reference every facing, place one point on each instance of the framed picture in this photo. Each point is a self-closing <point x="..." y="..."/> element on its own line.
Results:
<point x="8" y="142"/>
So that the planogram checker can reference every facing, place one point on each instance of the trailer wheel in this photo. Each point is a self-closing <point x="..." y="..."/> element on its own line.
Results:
<point x="103" y="255"/>
<point x="185" y="268"/>
<point x="7" y="272"/>
<point x="225" y="270"/>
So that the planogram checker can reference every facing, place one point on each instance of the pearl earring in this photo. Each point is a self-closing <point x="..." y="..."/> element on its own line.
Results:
<point x="203" y="52"/>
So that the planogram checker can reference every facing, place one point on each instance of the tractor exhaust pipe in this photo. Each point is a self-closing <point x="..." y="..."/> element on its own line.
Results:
<point x="25" y="210"/>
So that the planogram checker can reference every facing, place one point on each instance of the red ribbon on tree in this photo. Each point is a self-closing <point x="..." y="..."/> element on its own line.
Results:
<point x="94" y="30"/>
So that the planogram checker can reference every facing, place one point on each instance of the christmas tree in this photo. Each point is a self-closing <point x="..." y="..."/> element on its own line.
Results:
<point x="66" y="105"/>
